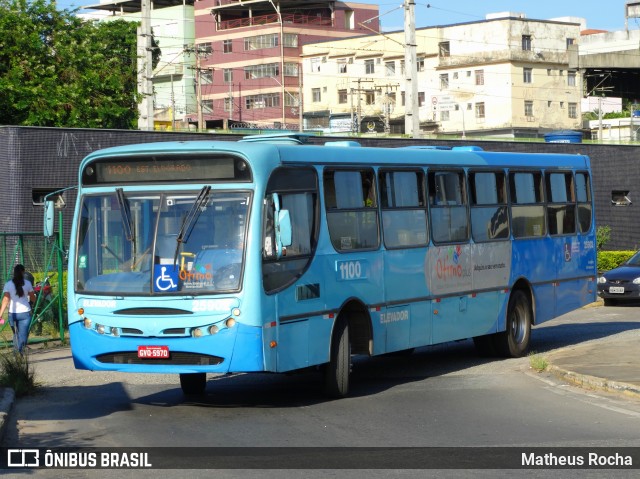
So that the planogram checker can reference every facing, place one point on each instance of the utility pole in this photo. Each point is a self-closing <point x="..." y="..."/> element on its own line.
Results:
<point x="173" y="107"/>
<point x="145" y="68"/>
<point x="355" y="124"/>
<point x="600" y="119"/>
<point x="199" y="92"/>
<point x="411" y="116"/>
<point x="387" y="108"/>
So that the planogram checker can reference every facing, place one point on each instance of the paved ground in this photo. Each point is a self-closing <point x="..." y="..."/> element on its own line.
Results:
<point x="610" y="363"/>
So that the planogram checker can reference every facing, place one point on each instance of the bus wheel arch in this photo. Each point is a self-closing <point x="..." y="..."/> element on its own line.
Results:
<point x="351" y="335"/>
<point x="514" y="341"/>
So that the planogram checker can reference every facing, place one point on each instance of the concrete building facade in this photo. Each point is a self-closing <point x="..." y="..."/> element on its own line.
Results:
<point x="506" y="76"/>
<point x="248" y="65"/>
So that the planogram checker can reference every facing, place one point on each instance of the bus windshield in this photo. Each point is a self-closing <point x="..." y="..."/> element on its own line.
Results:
<point x="157" y="243"/>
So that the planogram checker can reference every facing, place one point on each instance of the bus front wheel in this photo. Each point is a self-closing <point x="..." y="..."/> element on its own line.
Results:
<point x="193" y="384"/>
<point x="514" y="341"/>
<point x="338" y="369"/>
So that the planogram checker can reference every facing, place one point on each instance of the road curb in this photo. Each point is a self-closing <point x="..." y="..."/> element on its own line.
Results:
<point x="595" y="383"/>
<point x="6" y="403"/>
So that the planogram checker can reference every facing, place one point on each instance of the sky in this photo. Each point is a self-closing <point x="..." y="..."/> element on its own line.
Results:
<point x="599" y="14"/>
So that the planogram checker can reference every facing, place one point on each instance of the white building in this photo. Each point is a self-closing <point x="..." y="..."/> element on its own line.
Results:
<point x="506" y="76"/>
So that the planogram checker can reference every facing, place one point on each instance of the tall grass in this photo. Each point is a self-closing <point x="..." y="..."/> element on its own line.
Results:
<point x="17" y="373"/>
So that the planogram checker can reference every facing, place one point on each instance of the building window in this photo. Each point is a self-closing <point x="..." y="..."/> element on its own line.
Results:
<point x="291" y="69"/>
<point x="206" y="77"/>
<point x="402" y="70"/>
<point x="562" y="105"/>
<point x="421" y="99"/>
<point x="444" y="49"/>
<point x="571" y="78"/>
<point x="315" y="95"/>
<point x="227" y="46"/>
<point x="527" y="75"/>
<point x="207" y="106"/>
<point x="369" y="67"/>
<point x="342" y="65"/>
<point x="570" y="41"/>
<point x="315" y="64"/>
<point x="420" y="64"/>
<point x="390" y="69"/>
<point x="402" y="98"/>
<point x="444" y="81"/>
<point x="620" y="198"/>
<point x="370" y="97"/>
<point x="479" y="77"/>
<point x="342" y="96"/>
<point x="548" y="72"/>
<point x="228" y="104"/>
<point x="455" y="75"/>
<point x="528" y="108"/>
<point x="291" y="40"/>
<point x="444" y="115"/>
<point x="291" y="99"/>
<point x="573" y="110"/>
<point x="560" y="72"/>
<point x="261" y="41"/>
<point x="526" y="42"/>
<point x="227" y="75"/>
<point x="253" y="72"/>
<point x="204" y="49"/>
<point x="266" y="100"/>
<point x="480" y="110"/>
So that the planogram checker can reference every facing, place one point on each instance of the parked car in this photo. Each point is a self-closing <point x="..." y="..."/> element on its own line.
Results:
<point x="621" y="283"/>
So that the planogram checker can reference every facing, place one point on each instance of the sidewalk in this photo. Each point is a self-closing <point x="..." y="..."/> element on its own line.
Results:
<point x="610" y="364"/>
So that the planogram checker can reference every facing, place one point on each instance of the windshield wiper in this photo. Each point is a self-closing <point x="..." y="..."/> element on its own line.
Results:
<point x="125" y="212"/>
<point x="190" y="220"/>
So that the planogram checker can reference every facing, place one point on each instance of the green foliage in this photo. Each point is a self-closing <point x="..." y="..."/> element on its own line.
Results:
<point x="537" y="362"/>
<point x="608" y="260"/>
<point x="603" y="235"/>
<point x="61" y="71"/>
<point x="17" y="373"/>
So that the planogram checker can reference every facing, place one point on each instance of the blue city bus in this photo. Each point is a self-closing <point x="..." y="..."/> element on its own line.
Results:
<point x="272" y="255"/>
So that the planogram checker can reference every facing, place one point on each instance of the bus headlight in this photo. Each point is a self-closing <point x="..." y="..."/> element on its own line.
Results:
<point x="213" y="329"/>
<point x="100" y="328"/>
<point x="196" y="332"/>
<point x="230" y="322"/>
<point x="87" y="323"/>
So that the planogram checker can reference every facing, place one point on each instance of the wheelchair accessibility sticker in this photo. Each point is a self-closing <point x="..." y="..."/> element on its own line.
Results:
<point x="165" y="278"/>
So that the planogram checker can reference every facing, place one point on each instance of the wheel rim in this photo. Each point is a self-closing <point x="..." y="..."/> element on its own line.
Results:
<point x="519" y="323"/>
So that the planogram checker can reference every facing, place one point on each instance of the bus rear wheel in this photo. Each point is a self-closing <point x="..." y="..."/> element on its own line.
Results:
<point x="338" y="369"/>
<point x="193" y="384"/>
<point x="514" y="341"/>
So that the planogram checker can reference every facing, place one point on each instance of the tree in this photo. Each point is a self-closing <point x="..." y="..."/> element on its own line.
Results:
<point x="59" y="70"/>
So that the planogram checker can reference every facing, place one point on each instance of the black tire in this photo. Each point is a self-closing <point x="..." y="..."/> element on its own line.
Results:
<point x="610" y="302"/>
<point x="485" y="345"/>
<point x="338" y="370"/>
<point x="514" y="342"/>
<point x="193" y="384"/>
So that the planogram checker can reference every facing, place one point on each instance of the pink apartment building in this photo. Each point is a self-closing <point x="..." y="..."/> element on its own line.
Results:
<point x="248" y="68"/>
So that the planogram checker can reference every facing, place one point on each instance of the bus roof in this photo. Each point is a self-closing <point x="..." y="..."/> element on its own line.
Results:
<point x="292" y="151"/>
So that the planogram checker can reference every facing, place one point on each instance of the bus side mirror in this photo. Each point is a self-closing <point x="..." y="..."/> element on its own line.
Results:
<point x="283" y="232"/>
<point x="49" y="210"/>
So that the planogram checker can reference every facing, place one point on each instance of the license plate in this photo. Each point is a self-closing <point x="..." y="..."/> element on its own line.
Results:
<point x="153" y="352"/>
<point x="616" y="289"/>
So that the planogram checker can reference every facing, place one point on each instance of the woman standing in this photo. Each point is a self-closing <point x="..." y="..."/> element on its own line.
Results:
<point x="17" y="294"/>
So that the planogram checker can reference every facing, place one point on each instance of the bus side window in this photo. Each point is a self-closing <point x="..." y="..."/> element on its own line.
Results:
<point x="583" y="196"/>
<point x="353" y="219"/>
<point x="489" y="215"/>
<point x="561" y="211"/>
<point x="527" y="204"/>
<point x="449" y="220"/>
<point x="404" y="214"/>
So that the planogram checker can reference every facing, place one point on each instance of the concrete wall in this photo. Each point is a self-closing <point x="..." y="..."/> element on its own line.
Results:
<point x="49" y="158"/>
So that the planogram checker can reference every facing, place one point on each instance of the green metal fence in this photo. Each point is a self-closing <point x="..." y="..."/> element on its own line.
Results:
<point x="44" y="259"/>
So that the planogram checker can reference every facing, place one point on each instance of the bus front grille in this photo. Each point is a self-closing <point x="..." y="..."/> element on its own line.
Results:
<point x="175" y="358"/>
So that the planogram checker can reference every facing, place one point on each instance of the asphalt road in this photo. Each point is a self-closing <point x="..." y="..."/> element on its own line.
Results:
<point x="444" y="396"/>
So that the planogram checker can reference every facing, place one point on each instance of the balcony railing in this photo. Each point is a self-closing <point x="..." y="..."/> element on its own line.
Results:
<point x="296" y="18"/>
